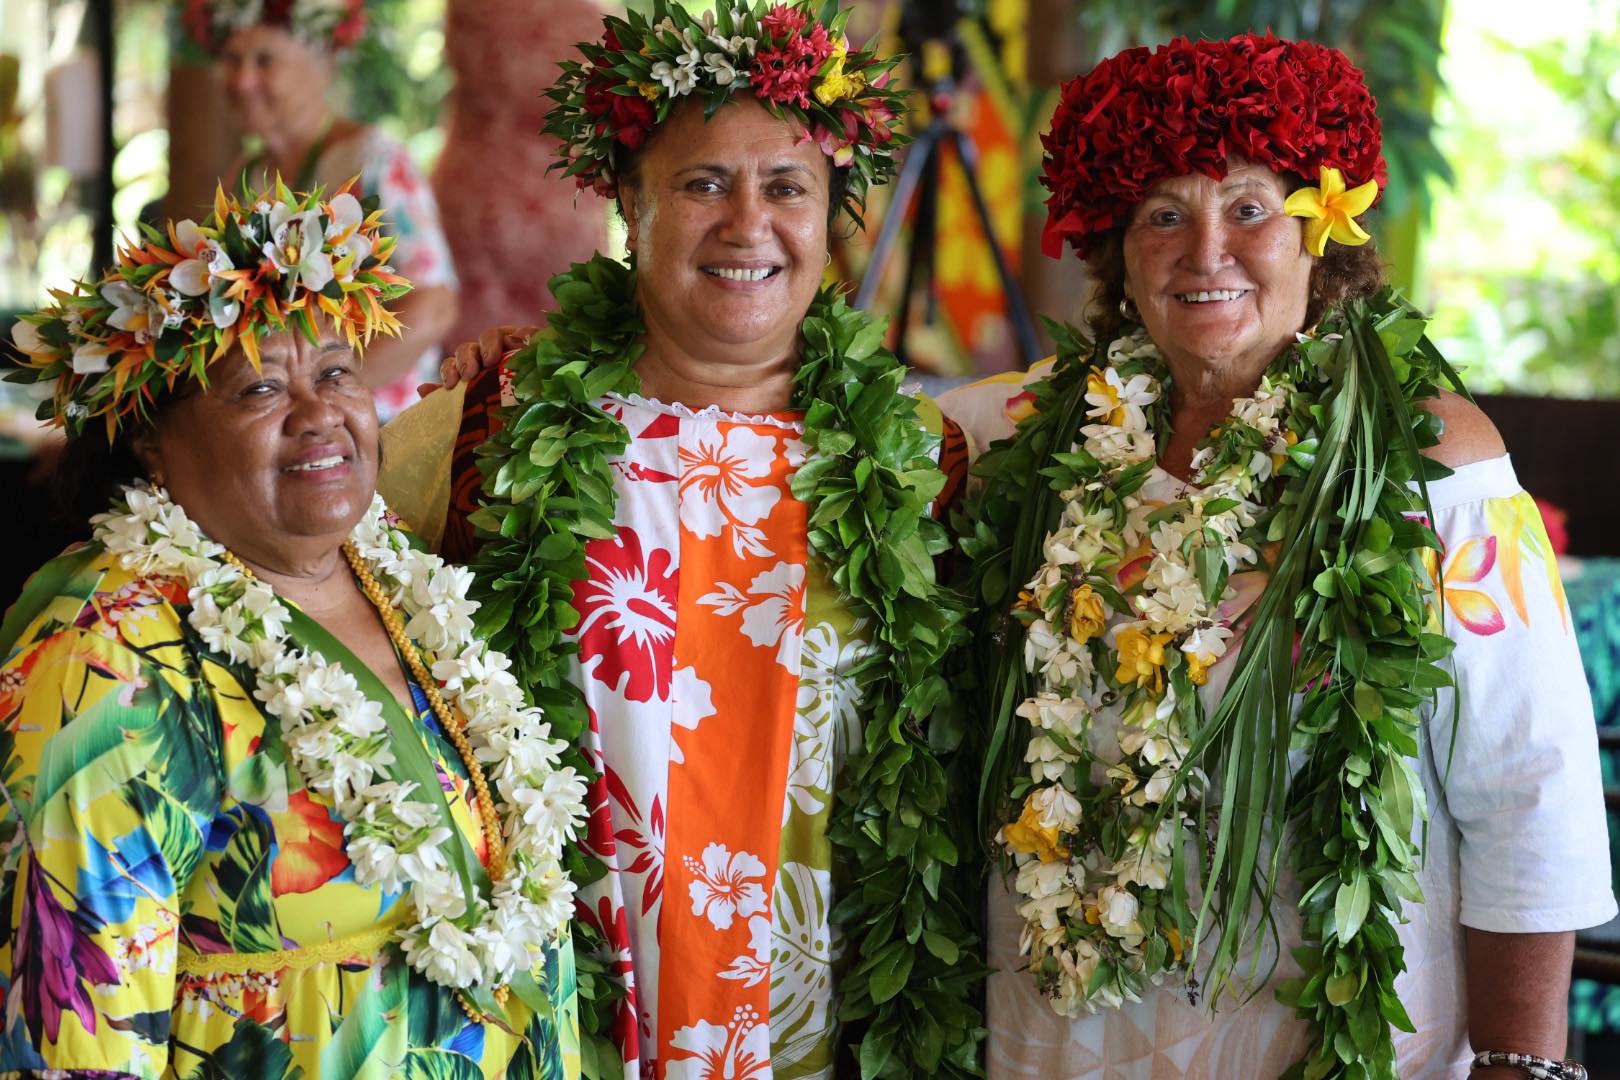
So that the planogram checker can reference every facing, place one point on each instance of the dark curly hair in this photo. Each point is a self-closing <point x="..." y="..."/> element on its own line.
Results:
<point x="1342" y="273"/>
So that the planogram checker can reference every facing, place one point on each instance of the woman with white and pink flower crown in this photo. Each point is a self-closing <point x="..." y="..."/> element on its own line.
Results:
<point x="1287" y="745"/>
<point x="702" y="515"/>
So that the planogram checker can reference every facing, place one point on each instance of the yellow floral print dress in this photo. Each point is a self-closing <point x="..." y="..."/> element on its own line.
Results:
<point x="177" y="903"/>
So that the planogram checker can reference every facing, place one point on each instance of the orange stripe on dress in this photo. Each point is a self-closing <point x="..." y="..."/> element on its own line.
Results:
<point x="739" y="624"/>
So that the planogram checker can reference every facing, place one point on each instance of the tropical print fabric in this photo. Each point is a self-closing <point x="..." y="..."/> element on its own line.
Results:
<point x="1515" y="841"/>
<point x="719" y="667"/>
<point x="177" y="903"/>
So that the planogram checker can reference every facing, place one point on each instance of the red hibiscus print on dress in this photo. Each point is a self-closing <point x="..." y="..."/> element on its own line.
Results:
<point x="626" y="609"/>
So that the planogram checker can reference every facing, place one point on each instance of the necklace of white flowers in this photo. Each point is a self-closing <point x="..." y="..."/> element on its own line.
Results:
<point x="1310" y="479"/>
<point x="353" y="743"/>
<point x="867" y="482"/>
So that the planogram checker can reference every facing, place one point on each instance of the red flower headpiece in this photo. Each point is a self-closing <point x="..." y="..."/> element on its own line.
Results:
<point x="1147" y="115"/>
<point x="332" y="24"/>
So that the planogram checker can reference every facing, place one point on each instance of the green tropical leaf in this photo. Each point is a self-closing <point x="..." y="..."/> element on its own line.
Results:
<point x="247" y="912"/>
<point x="362" y="1031"/>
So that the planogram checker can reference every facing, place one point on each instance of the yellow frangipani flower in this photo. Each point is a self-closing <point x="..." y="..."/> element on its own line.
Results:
<point x="1332" y="211"/>
<point x="1028" y="835"/>
<point x="1141" y="659"/>
<point x="834" y="85"/>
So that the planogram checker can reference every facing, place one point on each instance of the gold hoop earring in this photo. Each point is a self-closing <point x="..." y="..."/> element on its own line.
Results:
<point x="1127" y="310"/>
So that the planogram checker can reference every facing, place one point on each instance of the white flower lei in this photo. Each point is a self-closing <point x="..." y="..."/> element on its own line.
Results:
<point x="1084" y="908"/>
<point x="339" y="739"/>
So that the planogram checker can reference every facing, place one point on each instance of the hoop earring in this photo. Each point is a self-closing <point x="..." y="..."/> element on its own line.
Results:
<point x="1127" y="310"/>
<point x="829" y="259"/>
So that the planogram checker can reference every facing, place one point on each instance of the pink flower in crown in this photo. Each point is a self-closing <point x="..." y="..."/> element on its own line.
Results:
<point x="784" y="74"/>
<point x="783" y="20"/>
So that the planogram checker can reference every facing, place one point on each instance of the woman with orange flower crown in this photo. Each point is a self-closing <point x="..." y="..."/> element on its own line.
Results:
<point x="272" y="807"/>
<point x="275" y="60"/>
<point x="1287" y="746"/>
<point x="706" y="537"/>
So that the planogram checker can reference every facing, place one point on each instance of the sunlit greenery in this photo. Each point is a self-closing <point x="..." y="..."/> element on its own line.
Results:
<point x="1523" y="271"/>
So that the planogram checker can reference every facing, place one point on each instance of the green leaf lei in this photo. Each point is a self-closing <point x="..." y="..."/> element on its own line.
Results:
<point x="902" y="848"/>
<point x="1351" y="586"/>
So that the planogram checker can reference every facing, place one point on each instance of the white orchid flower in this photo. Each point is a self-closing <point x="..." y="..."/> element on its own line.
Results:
<point x="296" y="246"/>
<point x="142" y="314"/>
<point x="194" y="276"/>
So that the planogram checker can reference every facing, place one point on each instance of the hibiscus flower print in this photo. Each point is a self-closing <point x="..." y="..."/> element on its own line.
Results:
<point x="626" y="608"/>
<point x="752" y="966"/>
<point x="726" y="485"/>
<point x="642" y="838"/>
<point x="694" y="703"/>
<point x="772" y="609"/>
<point x="721" y="889"/>
<point x="739" y="1050"/>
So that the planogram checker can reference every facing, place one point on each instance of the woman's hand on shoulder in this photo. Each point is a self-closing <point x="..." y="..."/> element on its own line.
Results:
<point x="1469" y="435"/>
<point x="492" y="346"/>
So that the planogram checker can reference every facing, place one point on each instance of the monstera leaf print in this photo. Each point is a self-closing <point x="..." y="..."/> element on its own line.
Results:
<point x="801" y="964"/>
<point x="441" y="1065"/>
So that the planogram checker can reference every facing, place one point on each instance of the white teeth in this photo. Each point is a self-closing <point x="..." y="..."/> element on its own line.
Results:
<point x="731" y="274"/>
<point x="312" y="466"/>
<point x="1206" y="297"/>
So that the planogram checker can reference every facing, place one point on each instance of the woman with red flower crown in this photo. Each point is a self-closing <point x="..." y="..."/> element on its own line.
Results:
<point x="707" y="534"/>
<point x="1288" y="749"/>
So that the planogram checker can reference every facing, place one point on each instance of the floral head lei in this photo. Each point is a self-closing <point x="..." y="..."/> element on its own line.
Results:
<point x="792" y="59"/>
<point x="177" y="301"/>
<point x="1298" y="108"/>
<point x="328" y="24"/>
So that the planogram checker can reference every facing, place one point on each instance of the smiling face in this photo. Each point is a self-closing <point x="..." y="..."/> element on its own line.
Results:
<point x="728" y="221"/>
<point x="1218" y="271"/>
<point x="275" y="463"/>
<point x="272" y="80"/>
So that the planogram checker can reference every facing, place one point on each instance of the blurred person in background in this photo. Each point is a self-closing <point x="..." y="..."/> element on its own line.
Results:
<point x="276" y="60"/>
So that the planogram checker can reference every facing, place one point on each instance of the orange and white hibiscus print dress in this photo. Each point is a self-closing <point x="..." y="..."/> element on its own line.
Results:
<point x="716" y="661"/>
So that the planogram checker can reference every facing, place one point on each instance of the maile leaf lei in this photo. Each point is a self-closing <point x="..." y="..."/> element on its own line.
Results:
<point x="1349" y="586"/>
<point x="901" y="849"/>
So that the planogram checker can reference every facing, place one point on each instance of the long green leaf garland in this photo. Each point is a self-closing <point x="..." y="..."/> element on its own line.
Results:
<point x="903" y="857"/>
<point x="1351" y="582"/>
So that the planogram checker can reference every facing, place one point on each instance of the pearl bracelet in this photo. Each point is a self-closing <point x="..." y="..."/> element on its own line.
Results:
<point x="1539" y="1068"/>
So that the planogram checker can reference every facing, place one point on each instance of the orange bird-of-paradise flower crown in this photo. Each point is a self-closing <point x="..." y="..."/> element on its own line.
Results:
<point x="178" y="300"/>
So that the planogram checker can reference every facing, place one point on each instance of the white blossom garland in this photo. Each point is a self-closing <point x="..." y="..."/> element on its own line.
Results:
<point x="1094" y="846"/>
<point x="339" y="740"/>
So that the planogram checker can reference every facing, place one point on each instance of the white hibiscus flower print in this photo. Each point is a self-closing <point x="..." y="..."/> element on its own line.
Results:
<point x="722" y="889"/>
<point x="739" y="1050"/>
<point x="752" y="966"/>
<point x="694" y="703"/>
<point x="726" y="484"/>
<point x="772" y="609"/>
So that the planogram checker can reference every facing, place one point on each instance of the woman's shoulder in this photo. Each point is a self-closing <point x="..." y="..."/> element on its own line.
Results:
<point x="1468" y="437"/>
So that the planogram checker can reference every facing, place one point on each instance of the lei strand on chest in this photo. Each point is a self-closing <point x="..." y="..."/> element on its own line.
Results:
<point x="1144" y="834"/>
<point x="867" y="483"/>
<point x="341" y="743"/>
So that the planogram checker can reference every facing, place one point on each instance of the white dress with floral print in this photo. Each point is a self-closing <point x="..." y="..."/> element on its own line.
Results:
<point x="1516" y="843"/>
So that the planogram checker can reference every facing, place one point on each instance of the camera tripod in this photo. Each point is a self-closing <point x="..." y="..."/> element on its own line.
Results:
<point x="919" y="183"/>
